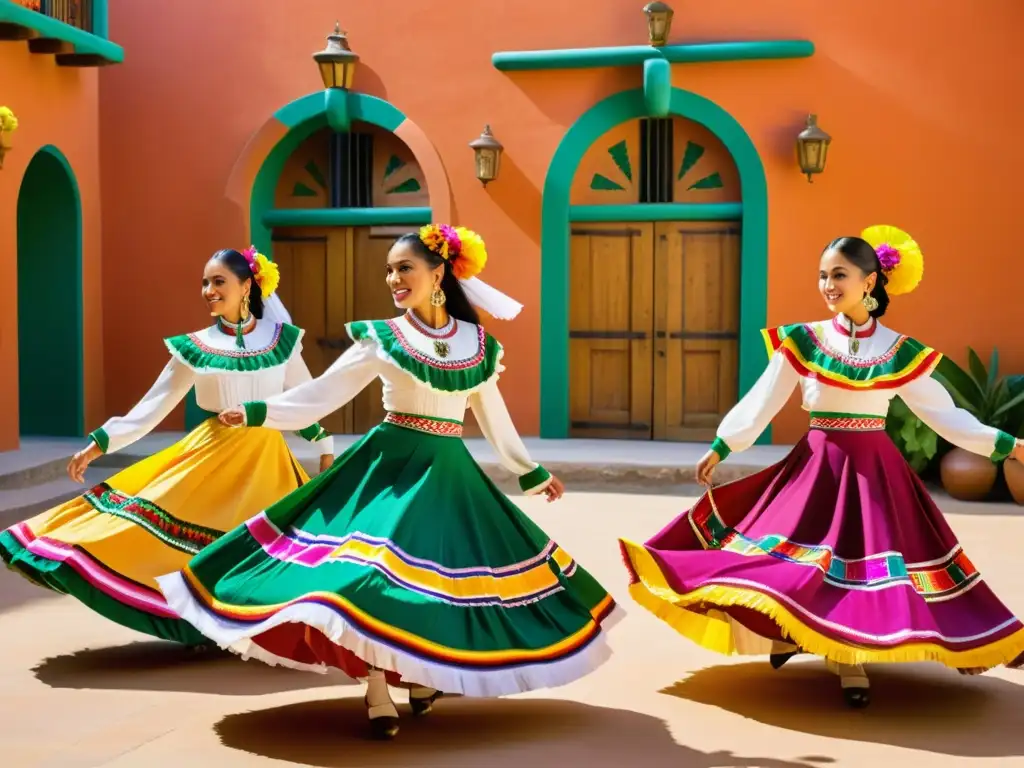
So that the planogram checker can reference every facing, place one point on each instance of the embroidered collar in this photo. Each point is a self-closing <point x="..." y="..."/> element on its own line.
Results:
<point x="862" y="332"/>
<point x="474" y="359"/>
<point x="807" y="350"/>
<point x="446" y="331"/>
<point x="201" y="351"/>
<point x="230" y="329"/>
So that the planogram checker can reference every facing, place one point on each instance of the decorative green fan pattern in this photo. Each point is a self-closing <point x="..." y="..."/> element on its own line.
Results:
<point x="395" y="164"/>
<point x="691" y="156"/>
<point x="316" y="176"/>
<point x="619" y="154"/>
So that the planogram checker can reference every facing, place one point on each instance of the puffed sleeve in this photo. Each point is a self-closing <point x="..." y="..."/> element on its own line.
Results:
<point x="171" y="386"/>
<point x="933" y="405"/>
<point x="754" y="412"/>
<point x="297" y="373"/>
<point x="307" y="403"/>
<point x="495" y="422"/>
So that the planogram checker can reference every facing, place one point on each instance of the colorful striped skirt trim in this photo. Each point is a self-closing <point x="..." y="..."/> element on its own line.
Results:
<point x="403" y="556"/>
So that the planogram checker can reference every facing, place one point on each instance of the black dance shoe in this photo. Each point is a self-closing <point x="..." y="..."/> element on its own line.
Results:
<point x="422" y="706"/>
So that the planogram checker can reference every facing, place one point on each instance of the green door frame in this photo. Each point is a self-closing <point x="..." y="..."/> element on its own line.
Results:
<point x="555" y="239"/>
<point x="70" y="345"/>
<point x="302" y="118"/>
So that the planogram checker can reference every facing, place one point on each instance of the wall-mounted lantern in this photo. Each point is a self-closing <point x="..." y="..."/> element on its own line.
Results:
<point x="812" y="148"/>
<point x="337" y="62"/>
<point x="659" y="22"/>
<point x="488" y="156"/>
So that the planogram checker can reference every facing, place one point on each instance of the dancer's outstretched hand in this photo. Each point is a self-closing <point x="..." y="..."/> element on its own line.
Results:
<point x="326" y="460"/>
<point x="705" y="468"/>
<point x="81" y="461"/>
<point x="555" y="489"/>
<point x="233" y="417"/>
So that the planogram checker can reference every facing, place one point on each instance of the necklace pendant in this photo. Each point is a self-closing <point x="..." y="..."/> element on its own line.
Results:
<point x="854" y="345"/>
<point x="441" y="348"/>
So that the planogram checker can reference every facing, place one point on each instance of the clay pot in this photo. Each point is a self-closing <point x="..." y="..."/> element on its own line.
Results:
<point x="1013" y="471"/>
<point x="967" y="476"/>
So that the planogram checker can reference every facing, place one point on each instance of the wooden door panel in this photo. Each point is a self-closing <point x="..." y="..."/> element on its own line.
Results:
<point x="610" y="321"/>
<point x="370" y="300"/>
<point x="305" y="258"/>
<point x="697" y="327"/>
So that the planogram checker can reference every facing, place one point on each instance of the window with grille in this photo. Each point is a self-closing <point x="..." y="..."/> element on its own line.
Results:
<point x="656" y="163"/>
<point x="351" y="175"/>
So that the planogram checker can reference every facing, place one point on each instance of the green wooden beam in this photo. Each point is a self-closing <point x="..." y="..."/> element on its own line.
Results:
<point x="345" y="217"/>
<point x="657" y="87"/>
<point x="747" y="50"/>
<point x="629" y="55"/>
<point x="336" y="107"/>
<point x="84" y="43"/>
<point x="657" y="212"/>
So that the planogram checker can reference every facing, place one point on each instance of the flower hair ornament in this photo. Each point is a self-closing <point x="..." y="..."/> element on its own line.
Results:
<point x="464" y="249"/>
<point x="900" y="257"/>
<point x="267" y="275"/>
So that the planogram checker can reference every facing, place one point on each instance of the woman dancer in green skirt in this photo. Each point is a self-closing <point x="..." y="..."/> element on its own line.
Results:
<point x="403" y="563"/>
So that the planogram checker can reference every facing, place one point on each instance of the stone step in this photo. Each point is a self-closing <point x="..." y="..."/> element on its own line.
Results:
<point x="22" y="503"/>
<point x="624" y="465"/>
<point x="38" y="461"/>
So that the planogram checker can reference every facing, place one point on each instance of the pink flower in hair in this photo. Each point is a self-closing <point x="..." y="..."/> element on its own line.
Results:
<point x="888" y="257"/>
<point x="250" y="256"/>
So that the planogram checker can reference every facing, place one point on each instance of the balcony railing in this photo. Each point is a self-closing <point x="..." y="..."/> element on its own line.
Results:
<point x="75" y="13"/>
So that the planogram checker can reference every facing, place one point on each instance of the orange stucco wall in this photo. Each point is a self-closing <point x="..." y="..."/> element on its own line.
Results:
<point x="56" y="106"/>
<point x="914" y="101"/>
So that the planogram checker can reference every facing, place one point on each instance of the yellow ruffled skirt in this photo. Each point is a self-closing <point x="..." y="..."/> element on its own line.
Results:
<point x="107" y="547"/>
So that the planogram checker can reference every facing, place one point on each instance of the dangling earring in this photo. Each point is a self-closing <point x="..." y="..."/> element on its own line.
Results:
<point x="242" y="317"/>
<point x="870" y="302"/>
<point x="437" y="298"/>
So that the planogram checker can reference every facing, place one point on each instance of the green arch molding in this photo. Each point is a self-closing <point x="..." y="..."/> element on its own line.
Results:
<point x="555" y="217"/>
<point x="302" y="118"/>
<point x="51" y="359"/>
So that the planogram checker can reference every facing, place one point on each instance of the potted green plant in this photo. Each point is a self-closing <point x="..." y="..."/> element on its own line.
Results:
<point x="916" y="440"/>
<point x="995" y="400"/>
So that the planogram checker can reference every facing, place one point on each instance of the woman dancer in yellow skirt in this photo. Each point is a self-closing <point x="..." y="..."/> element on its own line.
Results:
<point x="107" y="546"/>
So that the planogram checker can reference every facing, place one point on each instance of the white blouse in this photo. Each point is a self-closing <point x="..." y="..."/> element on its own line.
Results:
<point x="835" y="380"/>
<point x="223" y="375"/>
<point x="418" y="380"/>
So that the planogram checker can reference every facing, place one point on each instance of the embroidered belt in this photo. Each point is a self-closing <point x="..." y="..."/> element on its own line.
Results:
<point x="428" y="424"/>
<point x="847" y="422"/>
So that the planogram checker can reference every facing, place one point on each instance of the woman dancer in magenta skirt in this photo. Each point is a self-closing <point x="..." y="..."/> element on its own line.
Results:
<point x="837" y="551"/>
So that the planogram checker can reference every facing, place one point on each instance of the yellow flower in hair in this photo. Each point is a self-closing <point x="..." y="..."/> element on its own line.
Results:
<point x="437" y="239"/>
<point x="267" y="275"/>
<point x="472" y="256"/>
<point x="900" y="256"/>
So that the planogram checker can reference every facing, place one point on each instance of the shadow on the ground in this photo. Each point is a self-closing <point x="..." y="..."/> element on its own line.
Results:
<point x="914" y="706"/>
<point x="498" y="733"/>
<point x="16" y="590"/>
<point x="155" y="665"/>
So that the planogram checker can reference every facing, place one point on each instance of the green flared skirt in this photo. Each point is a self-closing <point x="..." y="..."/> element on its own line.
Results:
<point x="406" y="557"/>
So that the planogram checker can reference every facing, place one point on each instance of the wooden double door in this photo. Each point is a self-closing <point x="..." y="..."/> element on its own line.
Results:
<point x="330" y="277"/>
<point x="654" y="320"/>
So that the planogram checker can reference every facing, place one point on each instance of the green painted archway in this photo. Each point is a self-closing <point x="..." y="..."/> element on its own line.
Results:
<point x="51" y="396"/>
<point x="282" y="133"/>
<point x="555" y="239"/>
